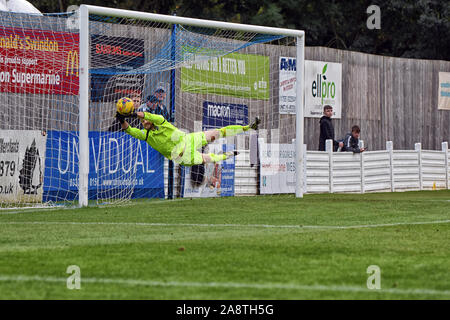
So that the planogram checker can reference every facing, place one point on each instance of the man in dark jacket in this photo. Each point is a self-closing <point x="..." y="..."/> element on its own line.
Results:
<point x="351" y="141"/>
<point x="327" y="129"/>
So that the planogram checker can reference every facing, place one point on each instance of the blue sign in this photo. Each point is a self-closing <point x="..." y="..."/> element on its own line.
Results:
<point x="119" y="166"/>
<point x="288" y="64"/>
<point x="228" y="166"/>
<point x="215" y="179"/>
<point x="217" y="115"/>
<point x="210" y="179"/>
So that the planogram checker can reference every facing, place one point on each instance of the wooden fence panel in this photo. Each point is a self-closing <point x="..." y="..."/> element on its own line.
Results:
<point x="389" y="98"/>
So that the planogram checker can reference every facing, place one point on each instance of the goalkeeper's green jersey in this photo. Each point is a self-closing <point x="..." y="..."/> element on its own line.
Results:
<point x="166" y="138"/>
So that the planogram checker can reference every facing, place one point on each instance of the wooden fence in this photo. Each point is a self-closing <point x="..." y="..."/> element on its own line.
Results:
<point x="389" y="98"/>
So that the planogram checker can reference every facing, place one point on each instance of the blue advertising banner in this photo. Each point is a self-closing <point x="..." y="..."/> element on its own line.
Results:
<point x="215" y="179"/>
<point x="211" y="179"/>
<point x="118" y="163"/>
<point x="228" y="166"/>
<point x="217" y="115"/>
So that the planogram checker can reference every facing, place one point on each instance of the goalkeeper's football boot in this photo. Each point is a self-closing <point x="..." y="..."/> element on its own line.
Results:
<point x="255" y="123"/>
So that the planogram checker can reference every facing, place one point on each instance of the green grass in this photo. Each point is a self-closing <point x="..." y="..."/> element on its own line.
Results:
<point x="265" y="247"/>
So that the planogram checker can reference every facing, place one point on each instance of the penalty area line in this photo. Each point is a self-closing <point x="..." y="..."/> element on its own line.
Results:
<point x="149" y="224"/>
<point x="257" y="286"/>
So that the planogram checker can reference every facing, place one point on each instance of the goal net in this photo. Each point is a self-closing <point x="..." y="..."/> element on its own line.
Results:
<point x="61" y="144"/>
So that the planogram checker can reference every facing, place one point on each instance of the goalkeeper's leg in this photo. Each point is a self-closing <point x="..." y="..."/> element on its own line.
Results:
<point x="191" y="155"/>
<point x="229" y="131"/>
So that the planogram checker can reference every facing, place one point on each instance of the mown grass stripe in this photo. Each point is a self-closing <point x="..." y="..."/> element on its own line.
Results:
<point x="259" y="286"/>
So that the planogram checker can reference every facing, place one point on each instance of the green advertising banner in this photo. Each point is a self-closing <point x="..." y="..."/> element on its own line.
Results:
<point x="237" y="75"/>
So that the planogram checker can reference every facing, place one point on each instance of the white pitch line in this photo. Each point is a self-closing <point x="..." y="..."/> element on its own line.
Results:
<point x="31" y="210"/>
<point x="7" y="211"/>
<point x="39" y="209"/>
<point x="144" y="224"/>
<point x="259" y="286"/>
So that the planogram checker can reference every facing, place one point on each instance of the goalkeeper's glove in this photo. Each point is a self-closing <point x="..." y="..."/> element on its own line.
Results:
<point x="132" y="115"/>
<point x="120" y="118"/>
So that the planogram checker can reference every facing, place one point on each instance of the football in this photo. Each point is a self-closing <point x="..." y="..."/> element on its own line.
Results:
<point x="125" y="106"/>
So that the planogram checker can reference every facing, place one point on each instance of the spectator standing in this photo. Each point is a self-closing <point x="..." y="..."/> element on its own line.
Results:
<point x="327" y="129"/>
<point x="149" y="105"/>
<point x="160" y="108"/>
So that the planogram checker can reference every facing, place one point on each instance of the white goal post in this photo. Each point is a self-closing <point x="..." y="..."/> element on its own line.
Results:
<point x="86" y="10"/>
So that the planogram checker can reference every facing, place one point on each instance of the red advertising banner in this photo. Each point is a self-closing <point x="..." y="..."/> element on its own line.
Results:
<point x="38" y="61"/>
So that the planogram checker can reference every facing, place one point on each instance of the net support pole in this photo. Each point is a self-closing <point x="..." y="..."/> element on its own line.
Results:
<point x="170" y="183"/>
<point x="83" y="168"/>
<point x="299" y="118"/>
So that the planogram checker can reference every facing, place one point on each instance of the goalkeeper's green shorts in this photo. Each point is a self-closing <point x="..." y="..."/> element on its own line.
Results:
<point x="191" y="154"/>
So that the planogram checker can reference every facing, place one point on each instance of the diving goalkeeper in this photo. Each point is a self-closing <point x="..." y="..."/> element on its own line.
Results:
<point x="176" y="145"/>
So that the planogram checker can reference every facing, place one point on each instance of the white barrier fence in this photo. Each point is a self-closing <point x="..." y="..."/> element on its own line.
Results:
<point x="371" y="171"/>
<point x="384" y="170"/>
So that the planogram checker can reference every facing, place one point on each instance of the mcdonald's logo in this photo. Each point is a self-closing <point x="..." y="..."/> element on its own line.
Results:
<point x="72" y="64"/>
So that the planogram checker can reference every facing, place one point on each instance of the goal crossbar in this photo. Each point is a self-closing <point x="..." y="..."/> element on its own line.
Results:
<point x="190" y="21"/>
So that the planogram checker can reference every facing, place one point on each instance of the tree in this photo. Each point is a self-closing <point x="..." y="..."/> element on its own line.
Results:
<point x="409" y="28"/>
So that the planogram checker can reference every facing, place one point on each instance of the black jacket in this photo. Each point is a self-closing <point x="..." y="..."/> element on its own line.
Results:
<point x="351" y="144"/>
<point x="326" y="132"/>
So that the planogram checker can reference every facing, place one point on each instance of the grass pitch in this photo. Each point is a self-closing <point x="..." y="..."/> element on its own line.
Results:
<point x="275" y="247"/>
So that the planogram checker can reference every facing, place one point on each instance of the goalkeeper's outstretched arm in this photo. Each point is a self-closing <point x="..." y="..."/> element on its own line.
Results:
<point x="148" y="120"/>
<point x="154" y="118"/>
<point x="134" y="132"/>
<point x="122" y="118"/>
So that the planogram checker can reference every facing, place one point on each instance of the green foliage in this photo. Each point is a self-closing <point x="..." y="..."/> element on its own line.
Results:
<point x="409" y="28"/>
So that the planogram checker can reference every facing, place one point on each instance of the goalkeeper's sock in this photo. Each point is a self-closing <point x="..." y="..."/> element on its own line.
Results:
<point x="217" y="157"/>
<point x="232" y="130"/>
<point x="224" y="156"/>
